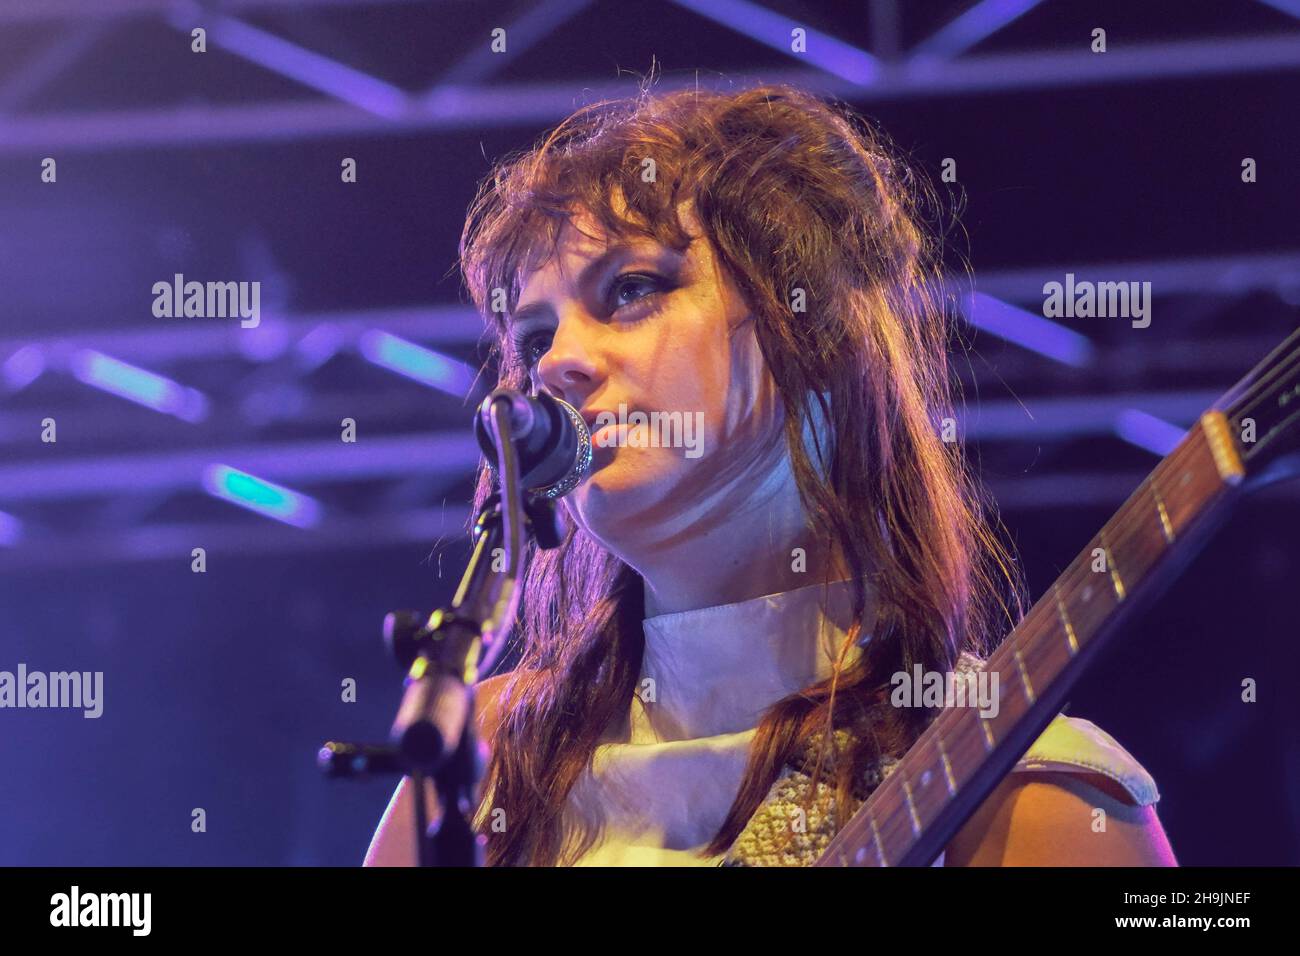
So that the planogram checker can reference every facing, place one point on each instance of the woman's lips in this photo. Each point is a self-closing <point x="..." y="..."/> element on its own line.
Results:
<point x="605" y="442"/>
<point x="592" y="415"/>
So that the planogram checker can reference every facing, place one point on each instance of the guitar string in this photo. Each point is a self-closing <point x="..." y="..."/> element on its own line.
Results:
<point x="1268" y="391"/>
<point x="1253" y="385"/>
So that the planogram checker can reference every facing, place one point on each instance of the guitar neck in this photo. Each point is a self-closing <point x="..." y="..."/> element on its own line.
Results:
<point x="958" y="760"/>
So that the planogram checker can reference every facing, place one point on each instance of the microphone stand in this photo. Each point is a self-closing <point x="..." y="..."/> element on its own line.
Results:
<point x="433" y="733"/>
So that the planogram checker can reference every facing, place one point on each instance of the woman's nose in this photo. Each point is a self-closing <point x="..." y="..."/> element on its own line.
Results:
<point x="569" y="370"/>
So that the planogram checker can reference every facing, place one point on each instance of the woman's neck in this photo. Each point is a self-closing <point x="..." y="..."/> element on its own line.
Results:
<point x="747" y="538"/>
<point x="767" y="548"/>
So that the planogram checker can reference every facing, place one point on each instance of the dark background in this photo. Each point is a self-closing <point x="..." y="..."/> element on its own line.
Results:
<point x="219" y="687"/>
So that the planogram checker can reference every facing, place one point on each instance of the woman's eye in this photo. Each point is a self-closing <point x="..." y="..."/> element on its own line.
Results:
<point x="533" y="345"/>
<point x="633" y="281"/>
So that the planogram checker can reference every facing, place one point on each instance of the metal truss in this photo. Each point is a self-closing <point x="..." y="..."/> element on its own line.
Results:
<point x="277" y="419"/>
<point x="465" y="95"/>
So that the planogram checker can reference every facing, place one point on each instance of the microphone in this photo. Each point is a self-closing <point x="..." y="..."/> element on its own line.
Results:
<point x="357" y="760"/>
<point x="550" y="438"/>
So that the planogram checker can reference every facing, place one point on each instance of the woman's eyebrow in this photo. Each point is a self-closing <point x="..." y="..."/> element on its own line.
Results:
<point x="622" y="249"/>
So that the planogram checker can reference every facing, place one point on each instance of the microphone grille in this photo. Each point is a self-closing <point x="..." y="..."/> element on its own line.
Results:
<point x="581" y="461"/>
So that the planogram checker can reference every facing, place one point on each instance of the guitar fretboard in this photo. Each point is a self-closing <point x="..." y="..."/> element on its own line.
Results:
<point x="1049" y="640"/>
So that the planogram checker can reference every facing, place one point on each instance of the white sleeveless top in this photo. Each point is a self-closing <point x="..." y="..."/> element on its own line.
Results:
<point x="660" y="786"/>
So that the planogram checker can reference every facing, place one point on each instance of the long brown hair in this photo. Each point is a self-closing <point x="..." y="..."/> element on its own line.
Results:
<point x="795" y="193"/>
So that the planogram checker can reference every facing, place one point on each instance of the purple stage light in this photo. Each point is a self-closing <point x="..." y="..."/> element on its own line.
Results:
<point x="1146" y="431"/>
<point x="1028" y="330"/>
<point x="23" y="367"/>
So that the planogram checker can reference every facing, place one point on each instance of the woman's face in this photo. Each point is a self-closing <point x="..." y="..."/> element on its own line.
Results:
<point x="624" y="324"/>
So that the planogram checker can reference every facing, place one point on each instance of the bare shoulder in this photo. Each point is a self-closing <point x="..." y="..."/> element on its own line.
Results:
<point x="1061" y="819"/>
<point x="490" y="704"/>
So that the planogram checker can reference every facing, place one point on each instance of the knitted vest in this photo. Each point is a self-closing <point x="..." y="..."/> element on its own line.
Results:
<point x="793" y="825"/>
<point x="782" y="832"/>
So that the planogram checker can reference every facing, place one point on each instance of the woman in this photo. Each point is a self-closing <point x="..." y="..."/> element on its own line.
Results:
<point x="707" y="660"/>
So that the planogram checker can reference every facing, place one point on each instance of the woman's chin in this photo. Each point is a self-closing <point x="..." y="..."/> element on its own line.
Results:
<point x="610" y="497"/>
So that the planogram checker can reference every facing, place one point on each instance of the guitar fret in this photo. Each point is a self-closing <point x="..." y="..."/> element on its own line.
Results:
<point x="1183" y="501"/>
<point x="911" y="809"/>
<point x="1112" y="566"/>
<point x="1070" y="638"/>
<point x="947" y="768"/>
<point x="988" y="734"/>
<point x="1024" y="676"/>
<point x="880" y="847"/>
<point x="1090" y="604"/>
<point x="1165" y="527"/>
<point x="1208" y="463"/>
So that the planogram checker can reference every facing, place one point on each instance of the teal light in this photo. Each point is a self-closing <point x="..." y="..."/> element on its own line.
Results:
<point x="264" y="497"/>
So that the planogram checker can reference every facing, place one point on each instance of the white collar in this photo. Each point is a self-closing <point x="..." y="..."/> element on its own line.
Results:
<point x="715" y="670"/>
